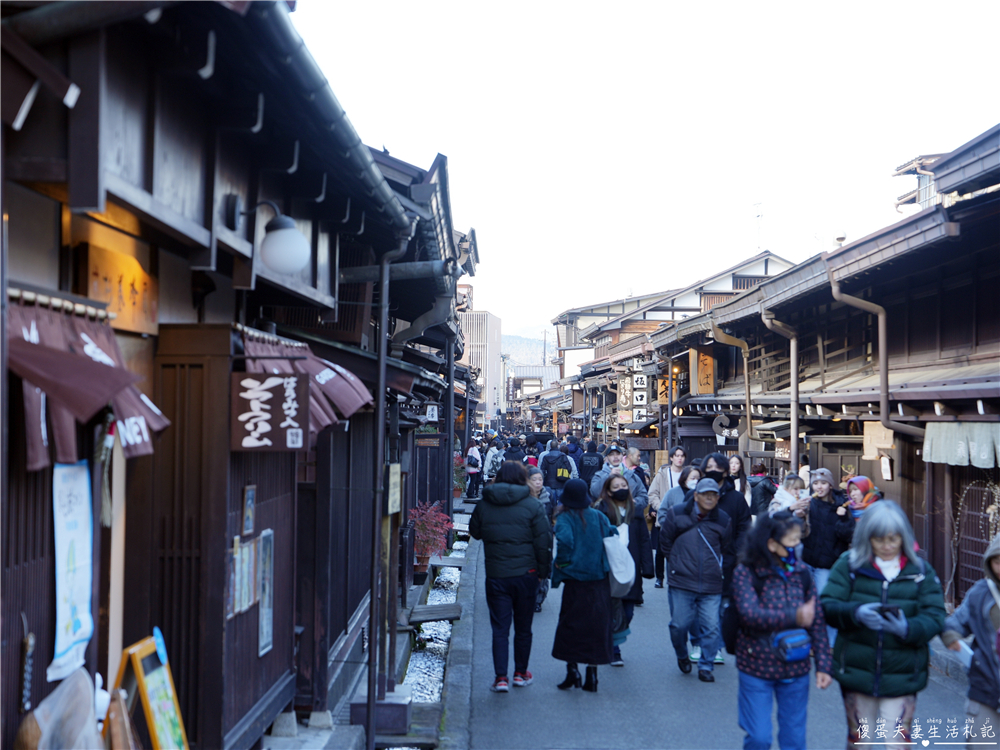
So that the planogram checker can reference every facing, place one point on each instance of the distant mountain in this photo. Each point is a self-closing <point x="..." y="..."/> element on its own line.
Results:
<point x="525" y="351"/>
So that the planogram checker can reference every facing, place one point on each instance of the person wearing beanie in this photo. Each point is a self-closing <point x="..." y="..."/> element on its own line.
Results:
<point x="979" y="616"/>
<point x="584" y="630"/>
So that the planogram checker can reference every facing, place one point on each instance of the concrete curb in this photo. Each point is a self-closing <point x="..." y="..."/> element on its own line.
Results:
<point x="947" y="668"/>
<point x="456" y="694"/>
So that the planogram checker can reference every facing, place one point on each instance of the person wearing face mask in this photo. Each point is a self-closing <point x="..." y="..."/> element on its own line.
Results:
<point x="716" y="467"/>
<point x="887" y="605"/>
<point x="614" y="466"/>
<point x="615" y="501"/>
<point x="694" y="537"/>
<point x="775" y="598"/>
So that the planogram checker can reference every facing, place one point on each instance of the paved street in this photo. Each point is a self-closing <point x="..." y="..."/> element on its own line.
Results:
<point x="646" y="704"/>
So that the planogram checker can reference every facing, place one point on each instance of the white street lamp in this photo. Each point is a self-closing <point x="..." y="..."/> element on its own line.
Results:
<point x="284" y="249"/>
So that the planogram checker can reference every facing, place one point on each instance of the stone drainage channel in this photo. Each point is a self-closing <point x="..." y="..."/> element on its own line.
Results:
<point x="425" y="671"/>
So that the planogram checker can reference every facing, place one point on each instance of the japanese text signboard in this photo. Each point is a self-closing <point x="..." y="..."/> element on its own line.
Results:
<point x="270" y="412"/>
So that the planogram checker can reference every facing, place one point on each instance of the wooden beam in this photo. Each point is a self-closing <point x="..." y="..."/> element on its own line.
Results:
<point x="35" y="169"/>
<point x="85" y="165"/>
<point x="985" y="407"/>
<point x="162" y="217"/>
<point x="906" y="410"/>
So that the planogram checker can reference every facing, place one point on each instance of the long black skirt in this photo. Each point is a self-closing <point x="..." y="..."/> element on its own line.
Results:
<point x="583" y="634"/>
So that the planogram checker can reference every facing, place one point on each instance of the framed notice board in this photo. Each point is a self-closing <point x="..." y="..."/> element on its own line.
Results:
<point x="145" y="673"/>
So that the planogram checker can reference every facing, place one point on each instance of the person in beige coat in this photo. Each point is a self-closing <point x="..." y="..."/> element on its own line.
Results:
<point x="665" y="480"/>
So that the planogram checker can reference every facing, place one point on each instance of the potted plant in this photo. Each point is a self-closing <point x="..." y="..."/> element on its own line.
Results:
<point x="430" y="533"/>
<point x="458" y="474"/>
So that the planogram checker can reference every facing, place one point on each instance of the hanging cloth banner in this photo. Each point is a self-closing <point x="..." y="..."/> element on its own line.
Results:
<point x="73" y="527"/>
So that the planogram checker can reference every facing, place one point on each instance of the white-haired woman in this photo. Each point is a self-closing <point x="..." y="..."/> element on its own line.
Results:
<point x="886" y="604"/>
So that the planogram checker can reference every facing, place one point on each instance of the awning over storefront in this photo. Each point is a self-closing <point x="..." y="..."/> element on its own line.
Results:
<point x="71" y="340"/>
<point x="963" y="444"/>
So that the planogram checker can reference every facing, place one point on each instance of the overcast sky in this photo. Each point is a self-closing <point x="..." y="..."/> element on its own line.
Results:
<point x="603" y="151"/>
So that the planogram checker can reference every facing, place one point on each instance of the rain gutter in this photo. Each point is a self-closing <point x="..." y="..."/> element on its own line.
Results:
<point x="274" y="23"/>
<point x="783" y="329"/>
<point x="724" y="338"/>
<point x="64" y="19"/>
<point x="883" y="352"/>
<point x="376" y="687"/>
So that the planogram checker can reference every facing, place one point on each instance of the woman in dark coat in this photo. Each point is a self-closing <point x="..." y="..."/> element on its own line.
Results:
<point x="887" y="605"/>
<point x="615" y="501"/>
<point x="584" y="630"/>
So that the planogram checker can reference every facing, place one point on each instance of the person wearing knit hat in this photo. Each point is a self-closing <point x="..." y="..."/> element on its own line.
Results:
<point x="584" y="630"/>
<point x="862" y="493"/>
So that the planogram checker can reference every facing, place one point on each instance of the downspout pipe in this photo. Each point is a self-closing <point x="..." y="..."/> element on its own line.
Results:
<point x="883" y="351"/>
<point x="783" y="329"/>
<point x="724" y="338"/>
<point x="377" y="482"/>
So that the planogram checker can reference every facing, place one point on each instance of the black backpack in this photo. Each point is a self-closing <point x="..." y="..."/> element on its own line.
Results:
<point x="557" y="470"/>
<point x="730" y="625"/>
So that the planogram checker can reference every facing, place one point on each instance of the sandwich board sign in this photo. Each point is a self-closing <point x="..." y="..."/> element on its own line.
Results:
<point x="145" y="674"/>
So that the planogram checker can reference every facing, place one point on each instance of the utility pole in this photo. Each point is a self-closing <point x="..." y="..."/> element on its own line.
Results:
<point x="545" y="335"/>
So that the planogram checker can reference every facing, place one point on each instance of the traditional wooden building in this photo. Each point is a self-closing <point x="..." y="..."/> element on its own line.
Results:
<point x="181" y="186"/>
<point x="881" y="358"/>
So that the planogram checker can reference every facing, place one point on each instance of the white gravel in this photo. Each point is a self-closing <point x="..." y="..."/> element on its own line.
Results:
<point x="425" y="673"/>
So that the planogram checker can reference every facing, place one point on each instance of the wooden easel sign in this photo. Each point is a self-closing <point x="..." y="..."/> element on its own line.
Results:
<point x="144" y="672"/>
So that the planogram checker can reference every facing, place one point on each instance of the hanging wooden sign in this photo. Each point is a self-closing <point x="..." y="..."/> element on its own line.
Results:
<point x="701" y="365"/>
<point x="145" y="673"/>
<point x="269" y="412"/>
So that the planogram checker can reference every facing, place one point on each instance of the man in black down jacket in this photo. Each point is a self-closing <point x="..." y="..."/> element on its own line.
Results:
<point x="693" y="540"/>
<point x="514" y="452"/>
<point x="517" y="546"/>
<point x="590" y="463"/>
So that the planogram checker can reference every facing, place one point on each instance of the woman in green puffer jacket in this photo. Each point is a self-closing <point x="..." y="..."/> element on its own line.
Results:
<point x="886" y="604"/>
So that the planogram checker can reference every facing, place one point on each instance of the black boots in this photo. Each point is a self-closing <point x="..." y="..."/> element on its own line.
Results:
<point x="572" y="677"/>
<point x="590" y="684"/>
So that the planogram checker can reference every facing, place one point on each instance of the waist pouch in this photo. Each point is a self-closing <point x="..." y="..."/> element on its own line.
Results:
<point x="792" y="645"/>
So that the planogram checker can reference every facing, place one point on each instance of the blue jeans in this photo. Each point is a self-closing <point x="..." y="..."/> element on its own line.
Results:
<point x="755" y="711"/>
<point x="696" y="635"/>
<point x="692" y="611"/>
<point x="511" y="599"/>
<point x="820" y="577"/>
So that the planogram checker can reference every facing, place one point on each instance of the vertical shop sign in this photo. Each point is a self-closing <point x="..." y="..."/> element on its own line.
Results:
<point x="270" y="413"/>
<point x="73" y="527"/>
<point x="702" y="368"/>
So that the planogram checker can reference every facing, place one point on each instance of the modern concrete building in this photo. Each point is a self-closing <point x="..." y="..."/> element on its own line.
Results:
<point x="482" y="356"/>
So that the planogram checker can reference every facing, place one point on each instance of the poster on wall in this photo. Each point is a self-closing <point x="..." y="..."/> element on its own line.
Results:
<point x="265" y="577"/>
<point x="73" y="530"/>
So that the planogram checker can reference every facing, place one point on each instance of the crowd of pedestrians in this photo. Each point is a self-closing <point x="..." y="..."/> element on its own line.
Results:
<point x="782" y="574"/>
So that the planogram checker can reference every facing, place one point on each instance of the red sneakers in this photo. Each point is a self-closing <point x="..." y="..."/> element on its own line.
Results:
<point x="500" y="684"/>
<point x="522" y="679"/>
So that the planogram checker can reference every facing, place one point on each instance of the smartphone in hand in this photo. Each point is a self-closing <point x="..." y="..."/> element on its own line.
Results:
<point x="889" y="609"/>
